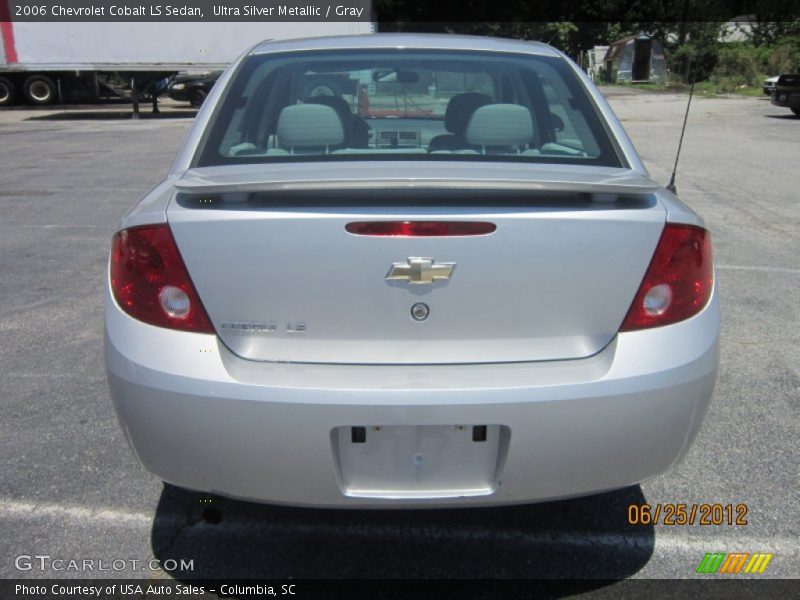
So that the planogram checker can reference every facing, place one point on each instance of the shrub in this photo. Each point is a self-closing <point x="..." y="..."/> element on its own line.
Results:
<point x="781" y="57"/>
<point x="743" y="64"/>
<point x="737" y="64"/>
<point x="695" y="59"/>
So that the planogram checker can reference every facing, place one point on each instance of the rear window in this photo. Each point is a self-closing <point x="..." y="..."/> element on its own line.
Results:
<point x="404" y="104"/>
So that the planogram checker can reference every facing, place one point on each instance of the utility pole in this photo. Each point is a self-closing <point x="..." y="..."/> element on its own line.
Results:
<point x="682" y="28"/>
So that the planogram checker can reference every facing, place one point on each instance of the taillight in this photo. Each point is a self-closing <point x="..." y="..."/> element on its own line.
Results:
<point x="678" y="282"/>
<point x="150" y="282"/>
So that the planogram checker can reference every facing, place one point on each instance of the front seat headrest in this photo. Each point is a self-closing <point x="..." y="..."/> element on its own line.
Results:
<point x="500" y="125"/>
<point x="309" y="125"/>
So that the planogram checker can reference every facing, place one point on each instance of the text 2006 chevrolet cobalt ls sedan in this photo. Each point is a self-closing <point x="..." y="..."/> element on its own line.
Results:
<point x="444" y="278"/>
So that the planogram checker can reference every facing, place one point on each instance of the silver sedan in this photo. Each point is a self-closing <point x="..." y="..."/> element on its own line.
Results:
<point x="409" y="270"/>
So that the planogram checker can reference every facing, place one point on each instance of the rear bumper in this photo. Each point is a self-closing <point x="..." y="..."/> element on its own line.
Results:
<point x="202" y="418"/>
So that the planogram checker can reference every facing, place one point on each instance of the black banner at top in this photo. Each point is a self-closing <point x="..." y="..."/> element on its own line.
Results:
<point x="190" y="10"/>
<point x="399" y="12"/>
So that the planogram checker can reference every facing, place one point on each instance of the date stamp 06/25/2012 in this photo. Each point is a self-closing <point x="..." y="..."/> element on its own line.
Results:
<point x="679" y="514"/>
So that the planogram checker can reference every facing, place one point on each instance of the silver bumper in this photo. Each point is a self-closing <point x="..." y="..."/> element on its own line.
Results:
<point x="201" y="418"/>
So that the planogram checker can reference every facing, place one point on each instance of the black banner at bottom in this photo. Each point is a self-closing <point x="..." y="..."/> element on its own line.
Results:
<point x="325" y="589"/>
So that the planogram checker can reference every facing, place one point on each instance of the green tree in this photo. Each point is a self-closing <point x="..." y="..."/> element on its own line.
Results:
<point x="771" y="29"/>
<point x="696" y="58"/>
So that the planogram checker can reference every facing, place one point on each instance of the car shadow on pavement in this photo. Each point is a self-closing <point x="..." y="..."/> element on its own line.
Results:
<point x="585" y="538"/>
<point x="789" y="117"/>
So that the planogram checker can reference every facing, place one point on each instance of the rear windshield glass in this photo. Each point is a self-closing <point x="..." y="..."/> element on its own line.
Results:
<point x="404" y="104"/>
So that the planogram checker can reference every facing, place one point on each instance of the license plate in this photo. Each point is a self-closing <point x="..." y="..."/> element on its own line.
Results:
<point x="420" y="461"/>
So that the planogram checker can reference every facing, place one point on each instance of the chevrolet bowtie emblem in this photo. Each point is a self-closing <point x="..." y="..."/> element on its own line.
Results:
<point x="418" y="271"/>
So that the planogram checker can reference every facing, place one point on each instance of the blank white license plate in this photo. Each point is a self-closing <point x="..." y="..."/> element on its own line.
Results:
<point x="423" y="461"/>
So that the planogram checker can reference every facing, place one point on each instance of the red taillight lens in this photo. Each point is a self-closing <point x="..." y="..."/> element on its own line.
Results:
<point x="420" y="228"/>
<point x="150" y="282"/>
<point x="678" y="281"/>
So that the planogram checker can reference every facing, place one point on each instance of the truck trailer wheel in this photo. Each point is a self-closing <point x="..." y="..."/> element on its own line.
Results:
<point x="197" y="96"/>
<point x="39" y="89"/>
<point x="8" y="92"/>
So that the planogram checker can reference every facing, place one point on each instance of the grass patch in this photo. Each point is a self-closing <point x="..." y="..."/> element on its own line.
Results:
<point x="702" y="88"/>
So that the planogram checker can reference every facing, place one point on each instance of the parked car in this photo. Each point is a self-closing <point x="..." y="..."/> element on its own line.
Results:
<point x="192" y="88"/>
<point x="455" y="286"/>
<point x="787" y="92"/>
<point x="769" y="85"/>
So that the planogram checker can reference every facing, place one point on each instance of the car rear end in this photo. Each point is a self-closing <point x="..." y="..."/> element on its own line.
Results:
<point x="512" y="313"/>
<point x="787" y="92"/>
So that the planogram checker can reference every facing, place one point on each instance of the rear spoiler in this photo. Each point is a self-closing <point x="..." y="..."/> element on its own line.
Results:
<point x="330" y="177"/>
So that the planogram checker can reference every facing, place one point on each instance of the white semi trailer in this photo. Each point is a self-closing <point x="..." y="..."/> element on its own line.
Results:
<point x="46" y="62"/>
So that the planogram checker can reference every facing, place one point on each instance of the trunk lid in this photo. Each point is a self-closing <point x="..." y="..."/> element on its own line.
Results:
<point x="283" y="280"/>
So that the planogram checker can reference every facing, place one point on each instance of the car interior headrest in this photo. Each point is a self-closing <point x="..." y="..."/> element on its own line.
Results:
<point x="309" y="125"/>
<point x="500" y="125"/>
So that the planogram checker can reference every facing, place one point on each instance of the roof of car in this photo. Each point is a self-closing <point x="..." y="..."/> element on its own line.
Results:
<point x="419" y="41"/>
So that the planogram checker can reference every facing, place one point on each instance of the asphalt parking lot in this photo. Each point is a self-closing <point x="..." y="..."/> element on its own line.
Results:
<point x="70" y="487"/>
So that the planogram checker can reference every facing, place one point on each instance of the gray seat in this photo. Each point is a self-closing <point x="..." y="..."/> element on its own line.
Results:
<point x="500" y="129"/>
<point x="459" y="111"/>
<point x="309" y="129"/>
